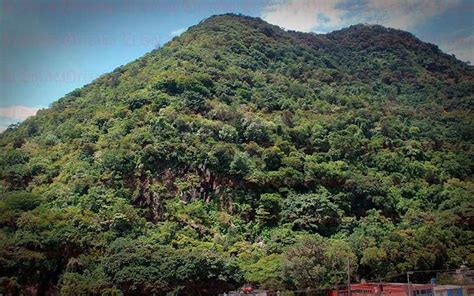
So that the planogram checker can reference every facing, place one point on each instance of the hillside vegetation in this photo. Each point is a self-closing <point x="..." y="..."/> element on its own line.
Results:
<point x="240" y="152"/>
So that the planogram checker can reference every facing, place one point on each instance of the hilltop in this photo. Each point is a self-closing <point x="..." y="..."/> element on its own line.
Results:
<point x="241" y="152"/>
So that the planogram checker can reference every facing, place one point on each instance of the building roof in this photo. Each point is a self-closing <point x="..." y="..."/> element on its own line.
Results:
<point x="447" y="287"/>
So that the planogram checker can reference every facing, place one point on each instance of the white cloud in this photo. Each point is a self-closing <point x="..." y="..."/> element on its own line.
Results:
<point x="18" y="112"/>
<point x="303" y="15"/>
<point x="407" y="13"/>
<point x="178" y="32"/>
<point x="462" y="47"/>
<point x="326" y="15"/>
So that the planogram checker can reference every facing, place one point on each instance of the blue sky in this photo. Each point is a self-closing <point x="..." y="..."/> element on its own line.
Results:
<point x="50" y="47"/>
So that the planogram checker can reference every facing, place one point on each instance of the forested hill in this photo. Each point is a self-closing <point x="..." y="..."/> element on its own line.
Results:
<point x="240" y="152"/>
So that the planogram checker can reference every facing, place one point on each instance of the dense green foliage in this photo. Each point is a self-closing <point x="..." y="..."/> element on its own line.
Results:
<point x="240" y="152"/>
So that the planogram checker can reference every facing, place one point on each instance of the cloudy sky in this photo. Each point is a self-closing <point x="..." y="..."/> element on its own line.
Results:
<point x="50" y="47"/>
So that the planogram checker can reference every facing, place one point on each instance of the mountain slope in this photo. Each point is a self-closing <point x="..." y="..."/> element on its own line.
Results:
<point x="240" y="152"/>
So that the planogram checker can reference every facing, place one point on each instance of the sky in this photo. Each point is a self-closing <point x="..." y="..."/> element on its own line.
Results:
<point x="50" y="47"/>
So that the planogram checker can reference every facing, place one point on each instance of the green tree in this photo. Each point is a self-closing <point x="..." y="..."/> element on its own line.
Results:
<point x="316" y="212"/>
<point x="269" y="208"/>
